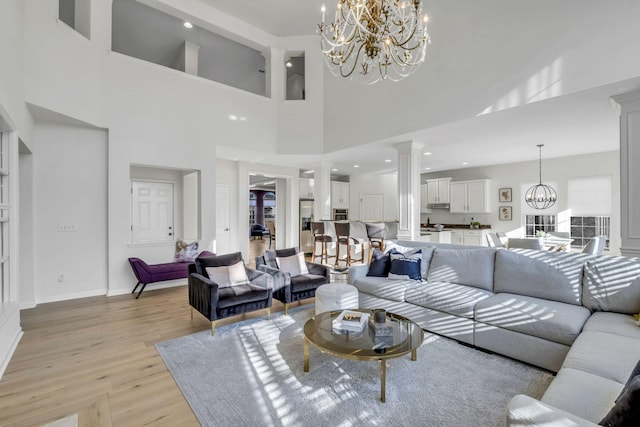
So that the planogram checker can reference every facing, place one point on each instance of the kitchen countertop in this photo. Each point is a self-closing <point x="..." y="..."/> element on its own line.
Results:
<point x="449" y="227"/>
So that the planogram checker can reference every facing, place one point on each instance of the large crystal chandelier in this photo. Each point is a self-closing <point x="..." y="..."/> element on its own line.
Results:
<point x="541" y="196"/>
<point x="370" y="40"/>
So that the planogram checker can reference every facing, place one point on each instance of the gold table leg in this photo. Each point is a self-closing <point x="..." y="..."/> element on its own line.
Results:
<point x="414" y="355"/>
<point x="383" y="380"/>
<point x="306" y="355"/>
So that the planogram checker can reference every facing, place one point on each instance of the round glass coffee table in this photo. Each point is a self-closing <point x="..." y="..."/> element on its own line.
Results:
<point x="363" y="345"/>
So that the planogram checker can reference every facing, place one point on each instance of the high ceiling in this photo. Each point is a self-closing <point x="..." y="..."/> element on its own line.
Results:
<point x="281" y="18"/>
<point x="579" y="123"/>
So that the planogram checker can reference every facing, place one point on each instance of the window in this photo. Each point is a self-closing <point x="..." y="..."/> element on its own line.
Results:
<point x="295" y="86"/>
<point x="539" y="223"/>
<point x="590" y="203"/>
<point x="584" y="228"/>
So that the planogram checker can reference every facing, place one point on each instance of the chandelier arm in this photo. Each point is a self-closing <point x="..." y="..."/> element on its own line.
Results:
<point x="355" y="61"/>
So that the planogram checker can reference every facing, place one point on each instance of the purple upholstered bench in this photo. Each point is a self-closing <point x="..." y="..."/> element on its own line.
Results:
<point x="152" y="273"/>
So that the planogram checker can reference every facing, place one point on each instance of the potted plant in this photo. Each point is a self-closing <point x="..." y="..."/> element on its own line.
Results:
<point x="475" y="224"/>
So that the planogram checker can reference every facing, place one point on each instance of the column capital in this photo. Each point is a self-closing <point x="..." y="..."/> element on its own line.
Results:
<point x="408" y="146"/>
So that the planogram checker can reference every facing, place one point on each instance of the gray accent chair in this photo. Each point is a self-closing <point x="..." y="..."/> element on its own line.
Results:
<point x="524" y="243"/>
<point x="595" y="246"/>
<point x="217" y="303"/>
<point x="287" y="288"/>
<point x="494" y="241"/>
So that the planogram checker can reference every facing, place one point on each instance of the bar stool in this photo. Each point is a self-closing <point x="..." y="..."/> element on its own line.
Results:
<point x="317" y="228"/>
<point x="343" y="238"/>
<point x="376" y="233"/>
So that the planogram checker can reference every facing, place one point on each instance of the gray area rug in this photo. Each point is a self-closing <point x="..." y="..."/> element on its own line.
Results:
<point x="251" y="374"/>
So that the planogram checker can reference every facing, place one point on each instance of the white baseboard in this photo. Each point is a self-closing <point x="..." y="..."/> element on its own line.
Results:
<point x="150" y="287"/>
<point x="70" y="296"/>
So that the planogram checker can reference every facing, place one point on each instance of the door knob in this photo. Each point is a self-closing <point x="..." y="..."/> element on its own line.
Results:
<point x="170" y="234"/>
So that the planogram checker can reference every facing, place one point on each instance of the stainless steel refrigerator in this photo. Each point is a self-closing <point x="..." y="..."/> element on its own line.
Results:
<point x="306" y="235"/>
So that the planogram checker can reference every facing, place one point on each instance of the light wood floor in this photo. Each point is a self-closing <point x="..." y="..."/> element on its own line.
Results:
<point x="96" y="357"/>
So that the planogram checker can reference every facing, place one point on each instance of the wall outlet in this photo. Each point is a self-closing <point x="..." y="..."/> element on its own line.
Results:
<point x="67" y="228"/>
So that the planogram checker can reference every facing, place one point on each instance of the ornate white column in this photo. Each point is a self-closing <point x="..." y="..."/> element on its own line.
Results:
<point x="408" y="190"/>
<point x="629" y="172"/>
<point x="322" y="192"/>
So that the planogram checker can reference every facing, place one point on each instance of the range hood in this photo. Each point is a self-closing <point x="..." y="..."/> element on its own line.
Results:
<point x="437" y="205"/>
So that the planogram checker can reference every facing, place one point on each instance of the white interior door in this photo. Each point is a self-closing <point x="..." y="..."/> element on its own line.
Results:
<point x="152" y="212"/>
<point x="371" y="207"/>
<point x="223" y="219"/>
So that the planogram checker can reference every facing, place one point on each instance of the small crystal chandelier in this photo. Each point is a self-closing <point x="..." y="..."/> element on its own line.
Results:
<point x="370" y="40"/>
<point x="541" y="196"/>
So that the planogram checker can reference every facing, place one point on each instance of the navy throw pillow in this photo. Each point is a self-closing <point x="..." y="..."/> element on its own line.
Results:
<point x="405" y="266"/>
<point x="626" y="411"/>
<point x="380" y="264"/>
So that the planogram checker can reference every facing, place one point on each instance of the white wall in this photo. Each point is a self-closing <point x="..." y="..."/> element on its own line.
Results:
<point x="487" y="56"/>
<point x="517" y="175"/>
<point x="70" y="188"/>
<point x="387" y="185"/>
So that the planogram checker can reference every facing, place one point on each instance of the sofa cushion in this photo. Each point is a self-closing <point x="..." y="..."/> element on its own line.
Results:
<point x="294" y="264"/>
<point x="612" y="284"/>
<point x="242" y="294"/>
<point x="613" y="323"/>
<point x="405" y="266"/>
<point x="306" y="282"/>
<point x="549" y="320"/>
<point x="380" y="264"/>
<point x="603" y="354"/>
<point x="554" y="276"/>
<point x="270" y="256"/>
<point x="216" y="261"/>
<point x="581" y="393"/>
<point x="228" y="275"/>
<point x="447" y="297"/>
<point x="626" y="411"/>
<point x="382" y="287"/>
<point x="427" y="254"/>
<point x="471" y="267"/>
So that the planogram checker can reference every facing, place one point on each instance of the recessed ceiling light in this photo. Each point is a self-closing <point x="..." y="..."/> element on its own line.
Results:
<point x="427" y="169"/>
<point x="387" y="161"/>
<point x="465" y="163"/>
<point x="428" y="153"/>
<point x="356" y="166"/>
<point x="233" y="117"/>
<point x="334" y="170"/>
<point x="288" y="64"/>
<point x="309" y="171"/>
<point x="243" y="119"/>
<point x="188" y="24"/>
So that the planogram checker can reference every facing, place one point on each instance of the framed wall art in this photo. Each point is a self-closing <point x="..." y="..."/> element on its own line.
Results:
<point x="505" y="213"/>
<point x="504" y="195"/>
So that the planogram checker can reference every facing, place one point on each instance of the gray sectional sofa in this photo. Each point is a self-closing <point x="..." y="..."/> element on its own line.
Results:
<point x="568" y="313"/>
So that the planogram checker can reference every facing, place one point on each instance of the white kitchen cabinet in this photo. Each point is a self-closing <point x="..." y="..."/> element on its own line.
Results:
<point x="470" y="237"/>
<point x="470" y="196"/>
<point x="423" y="198"/>
<point x="438" y="190"/>
<point x="306" y="188"/>
<point x="339" y="195"/>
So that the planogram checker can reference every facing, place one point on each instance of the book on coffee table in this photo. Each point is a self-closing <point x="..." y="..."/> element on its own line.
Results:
<point x="351" y="320"/>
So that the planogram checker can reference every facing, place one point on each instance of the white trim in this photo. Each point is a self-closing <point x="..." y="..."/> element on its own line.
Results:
<point x="12" y="350"/>
<point x="150" y="287"/>
<point x="70" y="296"/>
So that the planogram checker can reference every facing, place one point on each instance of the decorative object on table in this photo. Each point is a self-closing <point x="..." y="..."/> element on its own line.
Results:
<point x="505" y="213"/>
<point x="438" y="227"/>
<point x="372" y="41"/>
<point x="351" y="321"/>
<point x="381" y="329"/>
<point x="379" y="315"/>
<point x="541" y="196"/>
<point x="541" y="233"/>
<point x="475" y="225"/>
<point x="504" y="195"/>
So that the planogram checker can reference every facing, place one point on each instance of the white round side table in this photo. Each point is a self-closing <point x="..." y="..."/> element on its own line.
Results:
<point x="336" y="297"/>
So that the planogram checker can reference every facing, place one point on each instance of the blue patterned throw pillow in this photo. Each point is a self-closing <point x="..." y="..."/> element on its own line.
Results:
<point x="380" y="264"/>
<point x="405" y="266"/>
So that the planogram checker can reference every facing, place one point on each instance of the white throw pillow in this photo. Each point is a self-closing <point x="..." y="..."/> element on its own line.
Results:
<point x="294" y="264"/>
<point x="227" y="276"/>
